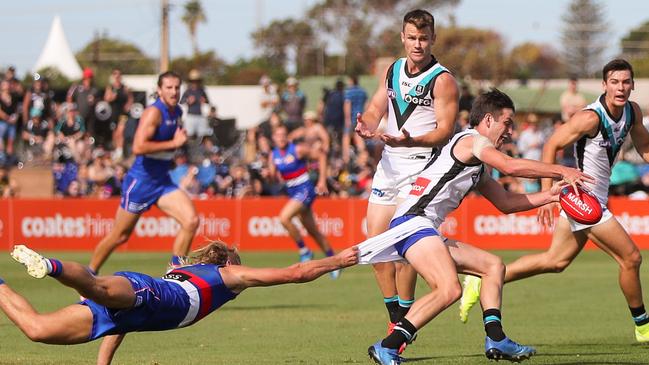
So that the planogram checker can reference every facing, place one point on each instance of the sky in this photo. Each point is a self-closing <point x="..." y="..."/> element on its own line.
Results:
<point x="25" y="24"/>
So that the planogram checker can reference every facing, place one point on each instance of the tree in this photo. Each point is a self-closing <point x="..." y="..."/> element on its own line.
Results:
<point x="531" y="60"/>
<point x="104" y="54"/>
<point x="583" y="37"/>
<point x="193" y="16"/>
<point x="282" y="37"/>
<point x="212" y="67"/>
<point x="471" y="52"/>
<point x="635" y="48"/>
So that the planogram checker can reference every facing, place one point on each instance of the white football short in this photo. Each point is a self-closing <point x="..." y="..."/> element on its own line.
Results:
<point x="394" y="176"/>
<point x="575" y="227"/>
<point x="381" y="248"/>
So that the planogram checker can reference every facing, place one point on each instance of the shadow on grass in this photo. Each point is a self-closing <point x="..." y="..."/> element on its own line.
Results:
<point x="272" y="307"/>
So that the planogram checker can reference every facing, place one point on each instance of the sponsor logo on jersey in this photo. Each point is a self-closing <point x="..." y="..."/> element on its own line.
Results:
<point x="605" y="144"/>
<point x="417" y="100"/>
<point x="419" y="89"/>
<point x="378" y="192"/>
<point x="178" y="276"/>
<point x="405" y="83"/>
<point x="392" y="94"/>
<point x="475" y="178"/>
<point x="169" y="122"/>
<point x="419" y="186"/>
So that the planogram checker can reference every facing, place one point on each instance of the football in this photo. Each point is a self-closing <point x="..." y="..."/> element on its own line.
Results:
<point x="583" y="208"/>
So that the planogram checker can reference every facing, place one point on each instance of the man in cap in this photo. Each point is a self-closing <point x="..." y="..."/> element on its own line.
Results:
<point x="194" y="98"/>
<point x="85" y="96"/>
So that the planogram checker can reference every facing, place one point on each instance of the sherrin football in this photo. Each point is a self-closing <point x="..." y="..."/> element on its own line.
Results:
<point x="583" y="208"/>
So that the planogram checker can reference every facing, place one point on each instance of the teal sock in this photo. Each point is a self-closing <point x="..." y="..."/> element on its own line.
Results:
<point x="404" y="306"/>
<point x="392" y="304"/>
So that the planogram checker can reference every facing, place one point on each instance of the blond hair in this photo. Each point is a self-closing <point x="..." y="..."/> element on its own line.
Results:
<point x="216" y="252"/>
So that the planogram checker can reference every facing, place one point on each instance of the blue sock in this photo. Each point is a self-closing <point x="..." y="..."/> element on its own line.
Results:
<point x="300" y="244"/>
<point x="329" y="252"/>
<point x="55" y="267"/>
<point x="1" y="281"/>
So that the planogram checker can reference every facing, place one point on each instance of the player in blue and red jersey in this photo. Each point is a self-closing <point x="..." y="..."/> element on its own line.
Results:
<point x="290" y="160"/>
<point x="134" y="302"/>
<point x="157" y="137"/>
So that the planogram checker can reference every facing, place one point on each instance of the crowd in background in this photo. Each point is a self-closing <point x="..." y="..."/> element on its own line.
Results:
<point x="86" y="138"/>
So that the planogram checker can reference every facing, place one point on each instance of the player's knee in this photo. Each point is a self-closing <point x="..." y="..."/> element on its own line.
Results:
<point x="558" y="266"/>
<point x="36" y="332"/>
<point x="495" y="266"/>
<point x="191" y="224"/>
<point x="285" y="220"/>
<point x="633" y="260"/>
<point x="450" y="293"/>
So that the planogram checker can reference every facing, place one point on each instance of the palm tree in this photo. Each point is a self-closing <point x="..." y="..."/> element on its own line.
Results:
<point x="193" y="15"/>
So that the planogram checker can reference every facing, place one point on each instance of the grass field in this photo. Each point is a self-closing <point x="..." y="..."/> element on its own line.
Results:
<point x="577" y="317"/>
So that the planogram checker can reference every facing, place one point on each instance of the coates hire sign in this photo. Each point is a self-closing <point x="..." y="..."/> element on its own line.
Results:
<point x="252" y="224"/>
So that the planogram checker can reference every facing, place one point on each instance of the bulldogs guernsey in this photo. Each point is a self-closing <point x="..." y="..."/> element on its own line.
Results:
<point x="295" y="174"/>
<point x="410" y="102"/>
<point x="596" y="155"/>
<point x="148" y="178"/>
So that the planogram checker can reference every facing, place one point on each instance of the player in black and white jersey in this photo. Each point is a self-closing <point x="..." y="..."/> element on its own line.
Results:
<point x="598" y="132"/>
<point x="439" y="189"/>
<point x="420" y="98"/>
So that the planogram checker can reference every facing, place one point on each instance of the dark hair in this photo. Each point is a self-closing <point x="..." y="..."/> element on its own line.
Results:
<point x="617" y="64"/>
<point x="354" y="79"/>
<point x="216" y="253"/>
<point x="166" y="75"/>
<point x="420" y="19"/>
<point x="492" y="102"/>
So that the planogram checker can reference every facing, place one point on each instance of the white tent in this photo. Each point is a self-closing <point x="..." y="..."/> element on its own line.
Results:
<point x="57" y="53"/>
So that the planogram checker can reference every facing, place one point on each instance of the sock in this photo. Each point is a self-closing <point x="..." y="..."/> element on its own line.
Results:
<point x="93" y="272"/>
<point x="178" y="260"/>
<point x="403" y="332"/>
<point x="329" y="252"/>
<point x="54" y="267"/>
<point x="304" y="250"/>
<point x="1" y="281"/>
<point x="492" y="324"/>
<point x="300" y="244"/>
<point x="392" y="304"/>
<point x="404" y="307"/>
<point x="639" y="315"/>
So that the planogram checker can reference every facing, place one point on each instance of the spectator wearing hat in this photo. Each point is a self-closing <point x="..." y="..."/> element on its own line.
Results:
<point x="194" y="98"/>
<point x="293" y="103"/>
<point x="85" y="95"/>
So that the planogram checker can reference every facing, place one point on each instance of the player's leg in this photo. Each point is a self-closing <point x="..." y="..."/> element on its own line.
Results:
<point x="432" y="260"/>
<point x="378" y="221"/>
<point x="474" y="261"/>
<point x="69" y="325"/>
<point x="309" y="223"/>
<point x="406" y="280"/>
<point x="110" y="291"/>
<point x="124" y="225"/>
<point x="565" y="246"/>
<point x="611" y="237"/>
<point x="177" y="205"/>
<point x="292" y="208"/>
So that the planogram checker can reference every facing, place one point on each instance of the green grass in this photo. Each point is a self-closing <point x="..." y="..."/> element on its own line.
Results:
<point x="577" y="317"/>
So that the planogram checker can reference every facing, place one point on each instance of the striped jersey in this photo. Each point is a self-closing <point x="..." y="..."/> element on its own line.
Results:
<point x="156" y="165"/>
<point x="596" y="155"/>
<point x="293" y="169"/>
<point x="410" y="102"/>
<point x="441" y="186"/>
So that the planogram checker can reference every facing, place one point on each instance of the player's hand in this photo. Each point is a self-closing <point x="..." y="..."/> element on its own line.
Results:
<point x="321" y="188"/>
<point x="180" y="137"/>
<point x="404" y="140"/>
<point x="362" y="129"/>
<point x="545" y="215"/>
<point x="348" y="257"/>
<point x="555" y="190"/>
<point x="575" y="177"/>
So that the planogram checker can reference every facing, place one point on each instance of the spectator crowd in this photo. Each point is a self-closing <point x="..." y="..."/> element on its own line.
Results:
<point x="86" y="137"/>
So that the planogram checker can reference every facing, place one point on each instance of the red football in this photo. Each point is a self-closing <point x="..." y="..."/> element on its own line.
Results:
<point x="584" y="209"/>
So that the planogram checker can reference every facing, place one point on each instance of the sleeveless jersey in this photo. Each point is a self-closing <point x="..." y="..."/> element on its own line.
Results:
<point x="596" y="155"/>
<point x="441" y="186"/>
<point x="205" y="289"/>
<point x="410" y="103"/>
<point x="293" y="170"/>
<point x="156" y="165"/>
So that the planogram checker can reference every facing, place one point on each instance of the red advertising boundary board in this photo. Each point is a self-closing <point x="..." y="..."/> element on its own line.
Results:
<point x="253" y="224"/>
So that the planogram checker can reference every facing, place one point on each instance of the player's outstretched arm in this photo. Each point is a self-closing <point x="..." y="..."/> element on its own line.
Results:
<point x="508" y="202"/>
<point x="238" y="278"/>
<point x="109" y="346"/>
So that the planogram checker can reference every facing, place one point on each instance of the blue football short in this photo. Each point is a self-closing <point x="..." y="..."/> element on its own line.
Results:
<point x="139" y="194"/>
<point x="403" y="245"/>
